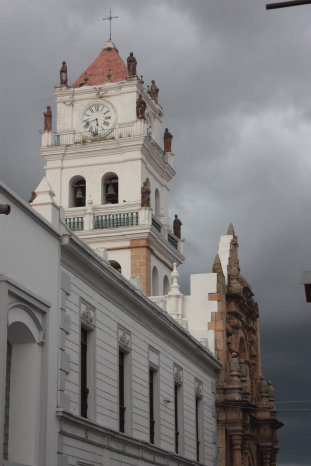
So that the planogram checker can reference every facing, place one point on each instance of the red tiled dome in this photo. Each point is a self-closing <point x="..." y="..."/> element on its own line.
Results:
<point x="98" y="70"/>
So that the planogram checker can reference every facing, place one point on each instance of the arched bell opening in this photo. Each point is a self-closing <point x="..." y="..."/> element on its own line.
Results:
<point x="166" y="285"/>
<point x="157" y="204"/>
<point x="116" y="265"/>
<point x="77" y="192"/>
<point x="155" y="282"/>
<point x="110" y="189"/>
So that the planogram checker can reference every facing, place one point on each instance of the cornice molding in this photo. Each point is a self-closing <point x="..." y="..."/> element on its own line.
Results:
<point x="79" y="259"/>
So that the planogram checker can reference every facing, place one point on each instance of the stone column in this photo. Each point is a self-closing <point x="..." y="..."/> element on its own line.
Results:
<point x="236" y="442"/>
<point x="266" y="457"/>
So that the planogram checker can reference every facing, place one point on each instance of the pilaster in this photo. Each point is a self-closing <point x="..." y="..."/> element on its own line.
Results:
<point x="141" y="263"/>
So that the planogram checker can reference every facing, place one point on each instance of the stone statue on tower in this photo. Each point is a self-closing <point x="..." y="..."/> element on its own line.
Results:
<point x="63" y="74"/>
<point x="131" y="65"/>
<point x="140" y="108"/>
<point x="48" y="119"/>
<point x="168" y="141"/>
<point x="154" y="91"/>
<point x="145" y="195"/>
<point x="177" y="227"/>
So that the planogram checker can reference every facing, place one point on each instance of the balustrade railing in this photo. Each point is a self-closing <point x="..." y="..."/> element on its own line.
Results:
<point x="138" y="128"/>
<point x="172" y="240"/>
<point x="156" y="224"/>
<point x="116" y="220"/>
<point x="108" y="220"/>
<point x="75" y="223"/>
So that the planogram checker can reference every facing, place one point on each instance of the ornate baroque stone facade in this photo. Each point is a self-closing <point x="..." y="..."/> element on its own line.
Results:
<point x="247" y="424"/>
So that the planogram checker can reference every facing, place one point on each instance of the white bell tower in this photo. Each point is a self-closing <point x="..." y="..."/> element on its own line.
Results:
<point x="107" y="143"/>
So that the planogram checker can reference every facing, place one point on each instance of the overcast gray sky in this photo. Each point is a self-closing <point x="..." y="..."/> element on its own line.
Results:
<point x="235" y="84"/>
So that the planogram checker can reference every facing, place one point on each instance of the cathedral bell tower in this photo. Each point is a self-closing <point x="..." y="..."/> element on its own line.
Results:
<point x="107" y="167"/>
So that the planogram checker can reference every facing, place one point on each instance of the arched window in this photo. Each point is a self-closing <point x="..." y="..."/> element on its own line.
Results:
<point x="110" y="189"/>
<point x="23" y="385"/>
<point x="155" y="282"/>
<point x="77" y="191"/>
<point x="115" y="265"/>
<point x="166" y="285"/>
<point x="157" y="203"/>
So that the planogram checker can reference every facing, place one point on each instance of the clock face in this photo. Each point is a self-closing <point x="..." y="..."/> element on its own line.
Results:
<point x="97" y="118"/>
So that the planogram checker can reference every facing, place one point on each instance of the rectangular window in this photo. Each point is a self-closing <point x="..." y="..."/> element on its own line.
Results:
<point x="84" y="378"/>
<point x="151" y="405"/>
<point x="176" y="407"/>
<point x="122" y="407"/>
<point x="197" y="426"/>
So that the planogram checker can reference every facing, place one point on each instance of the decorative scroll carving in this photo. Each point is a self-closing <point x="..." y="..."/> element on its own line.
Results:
<point x="124" y="339"/>
<point x="87" y="314"/>
<point x="198" y="387"/>
<point x="178" y="375"/>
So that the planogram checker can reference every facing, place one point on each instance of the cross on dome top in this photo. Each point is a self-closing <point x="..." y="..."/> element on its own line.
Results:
<point x="110" y="18"/>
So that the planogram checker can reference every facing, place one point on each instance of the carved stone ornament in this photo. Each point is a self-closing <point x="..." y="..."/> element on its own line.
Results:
<point x="87" y="314"/>
<point x="178" y="375"/>
<point x="235" y="365"/>
<point x="198" y="387"/>
<point x="124" y="339"/>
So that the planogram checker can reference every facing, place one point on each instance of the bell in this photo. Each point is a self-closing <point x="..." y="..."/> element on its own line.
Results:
<point x="79" y="194"/>
<point x="111" y="191"/>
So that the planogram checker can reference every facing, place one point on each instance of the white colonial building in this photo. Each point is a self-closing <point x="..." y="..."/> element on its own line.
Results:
<point x="92" y="371"/>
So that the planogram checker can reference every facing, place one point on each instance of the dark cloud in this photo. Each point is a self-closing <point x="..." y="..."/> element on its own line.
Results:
<point x="234" y="84"/>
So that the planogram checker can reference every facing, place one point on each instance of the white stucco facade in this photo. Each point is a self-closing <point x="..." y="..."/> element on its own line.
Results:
<point x="52" y="285"/>
<point x="129" y="152"/>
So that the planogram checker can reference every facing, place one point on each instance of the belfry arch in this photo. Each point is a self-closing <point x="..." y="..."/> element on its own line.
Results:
<point x="77" y="191"/>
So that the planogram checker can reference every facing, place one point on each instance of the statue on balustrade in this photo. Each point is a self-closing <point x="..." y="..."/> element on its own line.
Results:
<point x="145" y="195"/>
<point x="63" y="74"/>
<point x="177" y="227"/>
<point x="154" y="91"/>
<point x="167" y="140"/>
<point x="140" y="108"/>
<point x="48" y="119"/>
<point x="131" y="65"/>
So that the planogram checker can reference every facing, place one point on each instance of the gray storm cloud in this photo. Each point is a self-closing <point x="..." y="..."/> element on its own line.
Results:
<point x="234" y="84"/>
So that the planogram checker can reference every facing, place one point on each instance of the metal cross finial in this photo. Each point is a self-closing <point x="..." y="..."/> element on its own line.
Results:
<point x="110" y="19"/>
